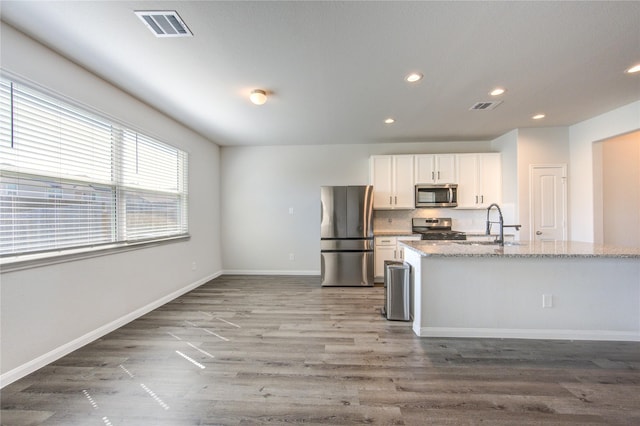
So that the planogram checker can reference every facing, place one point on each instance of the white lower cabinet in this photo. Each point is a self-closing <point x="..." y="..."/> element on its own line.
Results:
<point x="387" y="248"/>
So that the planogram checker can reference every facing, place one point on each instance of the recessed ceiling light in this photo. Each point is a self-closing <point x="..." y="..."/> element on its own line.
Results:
<point x="634" y="69"/>
<point x="497" y="91"/>
<point x="389" y="121"/>
<point x="413" y="77"/>
<point x="538" y="116"/>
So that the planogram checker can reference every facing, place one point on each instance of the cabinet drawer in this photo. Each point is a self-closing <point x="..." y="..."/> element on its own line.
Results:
<point x="410" y="238"/>
<point x="386" y="241"/>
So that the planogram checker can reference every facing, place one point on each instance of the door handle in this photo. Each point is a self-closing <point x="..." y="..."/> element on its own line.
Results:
<point x="390" y="200"/>
<point x="538" y="232"/>
<point x="396" y="197"/>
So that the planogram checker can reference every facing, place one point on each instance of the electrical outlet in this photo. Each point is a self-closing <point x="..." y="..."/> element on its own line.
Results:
<point x="292" y="256"/>
<point x="547" y="300"/>
<point x="290" y="210"/>
<point x="193" y="266"/>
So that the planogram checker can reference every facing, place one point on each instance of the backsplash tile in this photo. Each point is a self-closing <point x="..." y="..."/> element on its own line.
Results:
<point x="471" y="221"/>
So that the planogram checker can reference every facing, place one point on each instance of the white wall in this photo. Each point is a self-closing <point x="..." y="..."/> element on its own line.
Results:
<point x="507" y="145"/>
<point x="50" y="310"/>
<point x="621" y="182"/>
<point x="582" y="203"/>
<point x="260" y="184"/>
<point x="544" y="145"/>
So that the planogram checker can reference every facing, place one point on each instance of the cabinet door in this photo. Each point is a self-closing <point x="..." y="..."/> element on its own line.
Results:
<point x="490" y="179"/>
<point x="404" y="184"/>
<point x="381" y="177"/>
<point x="467" y="171"/>
<point x="383" y="253"/>
<point x="400" y="249"/>
<point x="425" y="169"/>
<point x="445" y="168"/>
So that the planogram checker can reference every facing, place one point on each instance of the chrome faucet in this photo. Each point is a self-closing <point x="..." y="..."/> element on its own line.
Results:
<point x="500" y="239"/>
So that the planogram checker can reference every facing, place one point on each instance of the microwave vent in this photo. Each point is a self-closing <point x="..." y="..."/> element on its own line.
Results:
<point x="164" y="23"/>
<point x="484" y="106"/>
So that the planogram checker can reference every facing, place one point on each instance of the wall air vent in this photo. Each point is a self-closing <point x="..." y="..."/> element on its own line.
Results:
<point x="484" y="106"/>
<point x="164" y="23"/>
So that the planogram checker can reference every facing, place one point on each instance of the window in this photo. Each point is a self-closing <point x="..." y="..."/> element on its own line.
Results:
<point x="70" y="178"/>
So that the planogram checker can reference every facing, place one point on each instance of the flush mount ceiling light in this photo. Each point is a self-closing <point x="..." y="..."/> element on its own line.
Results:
<point x="497" y="91"/>
<point x="538" y="116"/>
<point x="389" y="121"/>
<point x="164" y="23"/>
<point x="413" y="77"/>
<point x="634" y="69"/>
<point x="258" y="96"/>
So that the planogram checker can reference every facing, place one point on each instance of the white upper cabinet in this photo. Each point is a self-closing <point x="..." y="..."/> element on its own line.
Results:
<point x="404" y="183"/>
<point x="439" y="168"/>
<point x="392" y="179"/>
<point x="467" y="180"/>
<point x="490" y="179"/>
<point x="479" y="180"/>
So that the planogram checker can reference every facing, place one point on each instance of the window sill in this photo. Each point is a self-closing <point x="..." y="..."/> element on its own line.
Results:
<point x="28" y="261"/>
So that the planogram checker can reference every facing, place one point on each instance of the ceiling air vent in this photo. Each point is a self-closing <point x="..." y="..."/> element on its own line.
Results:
<point x="164" y="23"/>
<point x="485" y="106"/>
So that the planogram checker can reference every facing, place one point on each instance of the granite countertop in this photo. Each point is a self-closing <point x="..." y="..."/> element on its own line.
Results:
<point x="391" y="233"/>
<point x="543" y="249"/>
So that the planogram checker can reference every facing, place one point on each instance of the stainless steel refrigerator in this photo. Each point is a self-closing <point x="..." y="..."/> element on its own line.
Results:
<point x="346" y="235"/>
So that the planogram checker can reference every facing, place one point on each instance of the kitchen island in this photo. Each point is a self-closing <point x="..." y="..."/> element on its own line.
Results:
<point x="542" y="290"/>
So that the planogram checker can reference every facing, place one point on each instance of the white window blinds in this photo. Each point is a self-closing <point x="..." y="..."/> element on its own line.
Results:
<point x="153" y="178"/>
<point x="70" y="178"/>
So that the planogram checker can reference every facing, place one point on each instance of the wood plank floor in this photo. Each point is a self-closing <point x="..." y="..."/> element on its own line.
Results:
<point x="244" y="350"/>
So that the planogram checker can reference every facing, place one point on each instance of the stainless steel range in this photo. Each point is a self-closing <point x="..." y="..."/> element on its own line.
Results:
<point x="438" y="228"/>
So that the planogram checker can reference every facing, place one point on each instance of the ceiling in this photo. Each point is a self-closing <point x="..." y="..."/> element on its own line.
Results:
<point x="335" y="70"/>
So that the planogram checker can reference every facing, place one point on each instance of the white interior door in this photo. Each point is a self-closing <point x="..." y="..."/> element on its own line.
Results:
<point x="548" y="203"/>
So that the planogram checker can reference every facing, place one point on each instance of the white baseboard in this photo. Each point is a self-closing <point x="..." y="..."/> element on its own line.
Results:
<point x="499" y="333"/>
<point x="39" y="362"/>
<point x="268" y="272"/>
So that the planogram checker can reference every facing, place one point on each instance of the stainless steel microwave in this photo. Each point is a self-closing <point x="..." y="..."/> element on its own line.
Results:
<point x="442" y="195"/>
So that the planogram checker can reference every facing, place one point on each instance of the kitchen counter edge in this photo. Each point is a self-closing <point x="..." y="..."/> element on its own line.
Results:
<point x="393" y="233"/>
<point x="534" y="249"/>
